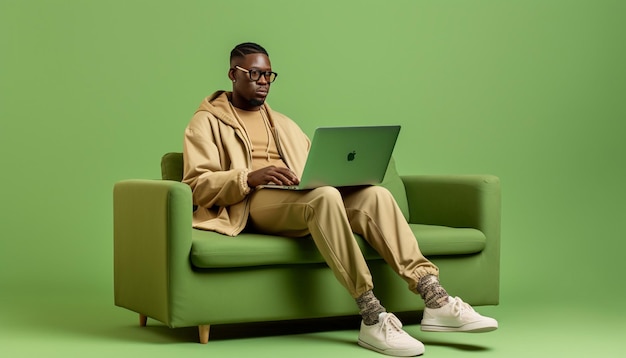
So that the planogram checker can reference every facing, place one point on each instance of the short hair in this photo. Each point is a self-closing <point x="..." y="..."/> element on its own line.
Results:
<point x="246" y="48"/>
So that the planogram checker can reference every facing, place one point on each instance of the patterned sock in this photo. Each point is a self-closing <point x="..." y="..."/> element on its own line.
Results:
<point x="369" y="307"/>
<point x="432" y="293"/>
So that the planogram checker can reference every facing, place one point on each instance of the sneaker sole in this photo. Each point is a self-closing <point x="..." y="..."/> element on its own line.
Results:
<point x="468" y="328"/>
<point x="394" y="352"/>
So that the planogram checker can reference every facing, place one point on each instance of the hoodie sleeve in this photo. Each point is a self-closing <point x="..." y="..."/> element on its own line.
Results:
<point x="215" y="178"/>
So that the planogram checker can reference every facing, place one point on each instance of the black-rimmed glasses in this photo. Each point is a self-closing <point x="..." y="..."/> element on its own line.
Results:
<point x="255" y="75"/>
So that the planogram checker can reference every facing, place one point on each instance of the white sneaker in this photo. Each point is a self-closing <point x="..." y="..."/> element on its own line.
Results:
<point x="387" y="337"/>
<point x="456" y="316"/>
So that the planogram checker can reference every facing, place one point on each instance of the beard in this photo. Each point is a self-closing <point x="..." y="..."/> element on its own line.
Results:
<point x="256" y="102"/>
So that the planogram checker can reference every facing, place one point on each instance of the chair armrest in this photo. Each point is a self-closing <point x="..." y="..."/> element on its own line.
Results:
<point x="469" y="201"/>
<point x="152" y="242"/>
<point x="465" y="201"/>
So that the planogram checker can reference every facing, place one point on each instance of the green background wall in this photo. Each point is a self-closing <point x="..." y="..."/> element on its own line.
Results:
<point x="93" y="92"/>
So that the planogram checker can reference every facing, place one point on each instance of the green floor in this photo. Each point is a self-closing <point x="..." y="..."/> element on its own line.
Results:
<point x="86" y="324"/>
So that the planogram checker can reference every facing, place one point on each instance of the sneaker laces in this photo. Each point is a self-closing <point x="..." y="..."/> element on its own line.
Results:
<point x="392" y="326"/>
<point x="459" y="307"/>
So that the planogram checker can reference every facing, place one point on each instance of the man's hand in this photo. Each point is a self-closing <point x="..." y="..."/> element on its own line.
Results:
<point x="272" y="175"/>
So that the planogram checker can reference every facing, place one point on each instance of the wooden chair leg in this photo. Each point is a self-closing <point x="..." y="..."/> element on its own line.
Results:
<point x="203" y="331"/>
<point x="143" y="320"/>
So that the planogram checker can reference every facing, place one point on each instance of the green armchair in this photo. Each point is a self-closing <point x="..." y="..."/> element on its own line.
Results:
<point x="168" y="271"/>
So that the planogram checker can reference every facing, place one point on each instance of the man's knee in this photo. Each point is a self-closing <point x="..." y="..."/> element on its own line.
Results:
<point x="328" y="193"/>
<point x="377" y="192"/>
<point x="326" y="201"/>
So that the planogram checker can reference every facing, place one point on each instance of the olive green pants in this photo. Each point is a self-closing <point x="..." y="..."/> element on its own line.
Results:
<point x="330" y="216"/>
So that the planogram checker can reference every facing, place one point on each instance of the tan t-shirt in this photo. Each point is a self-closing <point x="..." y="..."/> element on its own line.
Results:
<point x="264" y="150"/>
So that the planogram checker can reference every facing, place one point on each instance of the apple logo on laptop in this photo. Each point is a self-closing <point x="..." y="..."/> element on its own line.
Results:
<point x="351" y="155"/>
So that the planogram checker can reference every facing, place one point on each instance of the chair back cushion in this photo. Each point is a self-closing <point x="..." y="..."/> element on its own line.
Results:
<point x="172" y="169"/>
<point x="172" y="166"/>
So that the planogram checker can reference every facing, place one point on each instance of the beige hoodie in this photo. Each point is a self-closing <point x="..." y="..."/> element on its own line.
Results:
<point x="217" y="160"/>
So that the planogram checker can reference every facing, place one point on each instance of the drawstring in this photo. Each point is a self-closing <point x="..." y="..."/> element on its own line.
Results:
<point x="268" y="133"/>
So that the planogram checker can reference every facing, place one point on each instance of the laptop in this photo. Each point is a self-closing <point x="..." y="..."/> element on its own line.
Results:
<point x="346" y="156"/>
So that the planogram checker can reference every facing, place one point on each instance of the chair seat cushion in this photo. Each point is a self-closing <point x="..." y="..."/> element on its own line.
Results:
<point x="213" y="250"/>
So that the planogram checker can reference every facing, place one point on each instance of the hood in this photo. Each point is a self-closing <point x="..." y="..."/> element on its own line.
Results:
<point x="218" y="105"/>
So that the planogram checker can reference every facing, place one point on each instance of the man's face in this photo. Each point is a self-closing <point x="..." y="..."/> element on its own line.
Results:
<point x="248" y="94"/>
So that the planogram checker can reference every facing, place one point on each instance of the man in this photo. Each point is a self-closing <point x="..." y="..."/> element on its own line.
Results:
<point x="236" y="142"/>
